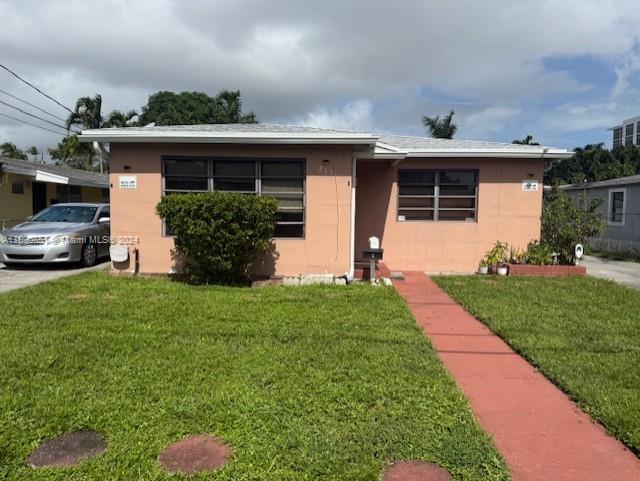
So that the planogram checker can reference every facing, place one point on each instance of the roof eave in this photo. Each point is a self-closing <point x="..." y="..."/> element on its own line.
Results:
<point x="208" y="138"/>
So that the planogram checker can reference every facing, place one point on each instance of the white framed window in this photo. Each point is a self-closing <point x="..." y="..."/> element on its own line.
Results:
<point x="617" y="136"/>
<point x="617" y="206"/>
<point x="438" y="195"/>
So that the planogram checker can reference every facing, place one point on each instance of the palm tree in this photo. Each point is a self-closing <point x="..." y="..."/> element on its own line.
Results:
<point x="441" y="128"/>
<point x="528" y="140"/>
<point x="230" y="105"/>
<point x="9" y="150"/>
<point x="88" y="115"/>
<point x="33" y="150"/>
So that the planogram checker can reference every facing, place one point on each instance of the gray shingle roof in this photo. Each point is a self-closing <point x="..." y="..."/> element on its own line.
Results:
<point x="632" y="179"/>
<point x="281" y="133"/>
<point x="75" y="176"/>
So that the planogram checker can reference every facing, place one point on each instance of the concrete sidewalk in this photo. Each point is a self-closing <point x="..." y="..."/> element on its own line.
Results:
<point x="539" y="431"/>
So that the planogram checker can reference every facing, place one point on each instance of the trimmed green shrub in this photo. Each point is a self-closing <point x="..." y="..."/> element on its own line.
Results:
<point x="566" y="223"/>
<point x="219" y="234"/>
<point x="539" y="254"/>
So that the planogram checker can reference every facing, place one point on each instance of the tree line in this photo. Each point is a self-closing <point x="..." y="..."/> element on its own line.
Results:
<point x="162" y="108"/>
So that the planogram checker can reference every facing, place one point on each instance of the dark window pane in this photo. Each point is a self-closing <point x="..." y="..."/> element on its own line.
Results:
<point x="457" y="190"/>
<point x="453" y="177"/>
<point x="409" y="214"/>
<point x="234" y="185"/>
<point x="282" y="169"/>
<point x="190" y="168"/>
<point x="282" y="185"/>
<point x="234" y="168"/>
<point x="17" y="188"/>
<point x="289" y="201"/>
<point x="290" y="216"/>
<point x="457" y="202"/>
<point x="617" y="205"/>
<point x="289" y="230"/>
<point x="186" y="183"/>
<point x="416" y="177"/>
<point x="415" y="202"/>
<point x="459" y="215"/>
<point x="416" y="189"/>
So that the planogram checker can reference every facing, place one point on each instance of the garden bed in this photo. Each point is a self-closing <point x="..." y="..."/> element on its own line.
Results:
<point x="546" y="271"/>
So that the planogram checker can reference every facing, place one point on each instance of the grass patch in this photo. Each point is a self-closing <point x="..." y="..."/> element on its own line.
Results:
<point x="304" y="383"/>
<point x="582" y="333"/>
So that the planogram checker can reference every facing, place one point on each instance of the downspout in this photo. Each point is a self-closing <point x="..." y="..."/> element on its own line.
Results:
<point x="352" y="235"/>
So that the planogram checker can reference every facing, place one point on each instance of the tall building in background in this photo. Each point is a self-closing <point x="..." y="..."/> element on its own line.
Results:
<point x="628" y="133"/>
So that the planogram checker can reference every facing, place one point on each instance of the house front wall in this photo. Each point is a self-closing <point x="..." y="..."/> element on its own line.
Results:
<point x="14" y="207"/>
<point x="324" y="249"/>
<point x="629" y="230"/>
<point x="505" y="212"/>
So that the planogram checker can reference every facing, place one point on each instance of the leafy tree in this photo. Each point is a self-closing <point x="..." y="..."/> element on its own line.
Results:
<point x="11" y="151"/>
<point x="219" y="234"/>
<point x="594" y="162"/>
<point x="527" y="140"/>
<point x="190" y="108"/>
<point x="74" y="154"/>
<point x="87" y="114"/>
<point x="566" y="223"/>
<point x="439" y="128"/>
<point x="33" y="150"/>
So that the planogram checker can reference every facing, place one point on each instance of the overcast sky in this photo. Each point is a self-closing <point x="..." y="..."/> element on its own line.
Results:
<point x="562" y="70"/>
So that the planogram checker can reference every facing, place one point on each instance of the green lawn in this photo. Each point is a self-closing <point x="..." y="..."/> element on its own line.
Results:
<point x="308" y="383"/>
<point x="582" y="333"/>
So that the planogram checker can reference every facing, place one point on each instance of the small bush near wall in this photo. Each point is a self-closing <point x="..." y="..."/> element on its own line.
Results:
<point x="565" y="223"/>
<point x="219" y="234"/>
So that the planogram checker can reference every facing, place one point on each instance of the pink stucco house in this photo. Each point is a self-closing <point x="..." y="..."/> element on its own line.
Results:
<point x="437" y="205"/>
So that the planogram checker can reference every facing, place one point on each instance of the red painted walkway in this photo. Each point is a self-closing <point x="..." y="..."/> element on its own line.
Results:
<point x="542" y="435"/>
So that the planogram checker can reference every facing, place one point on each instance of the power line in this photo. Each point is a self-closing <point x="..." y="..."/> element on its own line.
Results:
<point x="29" y="123"/>
<point x="32" y="115"/>
<point x="31" y="105"/>
<point x="36" y="88"/>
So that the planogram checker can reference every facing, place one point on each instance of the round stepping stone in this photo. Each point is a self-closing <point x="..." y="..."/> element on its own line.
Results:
<point x="415" y="471"/>
<point x="67" y="450"/>
<point x="195" y="454"/>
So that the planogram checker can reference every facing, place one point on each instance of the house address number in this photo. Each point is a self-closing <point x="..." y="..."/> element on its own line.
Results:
<point x="127" y="181"/>
<point x="530" y="186"/>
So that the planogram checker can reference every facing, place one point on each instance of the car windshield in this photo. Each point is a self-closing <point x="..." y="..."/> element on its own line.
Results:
<point x="66" y="213"/>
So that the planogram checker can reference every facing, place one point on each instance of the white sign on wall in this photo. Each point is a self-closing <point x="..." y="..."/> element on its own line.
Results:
<point x="127" y="181"/>
<point x="530" y="186"/>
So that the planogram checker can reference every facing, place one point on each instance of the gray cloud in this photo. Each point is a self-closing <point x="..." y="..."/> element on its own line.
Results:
<point x="303" y="61"/>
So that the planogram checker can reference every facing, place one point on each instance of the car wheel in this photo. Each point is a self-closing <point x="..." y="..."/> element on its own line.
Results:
<point x="89" y="255"/>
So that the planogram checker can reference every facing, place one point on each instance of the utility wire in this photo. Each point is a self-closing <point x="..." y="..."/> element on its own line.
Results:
<point x="34" y="116"/>
<point x="35" y="88"/>
<point x="29" y="123"/>
<point x="31" y="105"/>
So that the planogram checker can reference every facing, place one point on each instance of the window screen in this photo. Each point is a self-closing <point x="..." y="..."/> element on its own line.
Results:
<point x="282" y="179"/>
<point x="616" y="209"/>
<point x="443" y="195"/>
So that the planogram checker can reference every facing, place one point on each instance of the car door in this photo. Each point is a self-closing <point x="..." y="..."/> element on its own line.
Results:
<point x="104" y="232"/>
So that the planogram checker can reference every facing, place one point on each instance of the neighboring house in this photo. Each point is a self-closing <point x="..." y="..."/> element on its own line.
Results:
<point x="628" y="133"/>
<point x="28" y="187"/>
<point x="437" y="205"/>
<point x="620" y="208"/>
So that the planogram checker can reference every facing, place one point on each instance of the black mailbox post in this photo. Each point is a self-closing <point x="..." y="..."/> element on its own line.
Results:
<point x="373" y="255"/>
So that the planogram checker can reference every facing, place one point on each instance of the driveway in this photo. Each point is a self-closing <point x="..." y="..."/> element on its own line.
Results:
<point x="623" y="272"/>
<point x="27" y="276"/>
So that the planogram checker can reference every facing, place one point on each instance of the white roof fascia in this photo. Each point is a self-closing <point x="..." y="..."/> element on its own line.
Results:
<point x="108" y="135"/>
<point x="49" y="177"/>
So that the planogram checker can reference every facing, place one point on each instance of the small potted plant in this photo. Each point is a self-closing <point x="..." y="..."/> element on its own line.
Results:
<point x="496" y="258"/>
<point x="483" y="267"/>
<point x="502" y="269"/>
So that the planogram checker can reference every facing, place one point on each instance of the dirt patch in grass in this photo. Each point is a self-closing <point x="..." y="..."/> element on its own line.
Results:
<point x="67" y="450"/>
